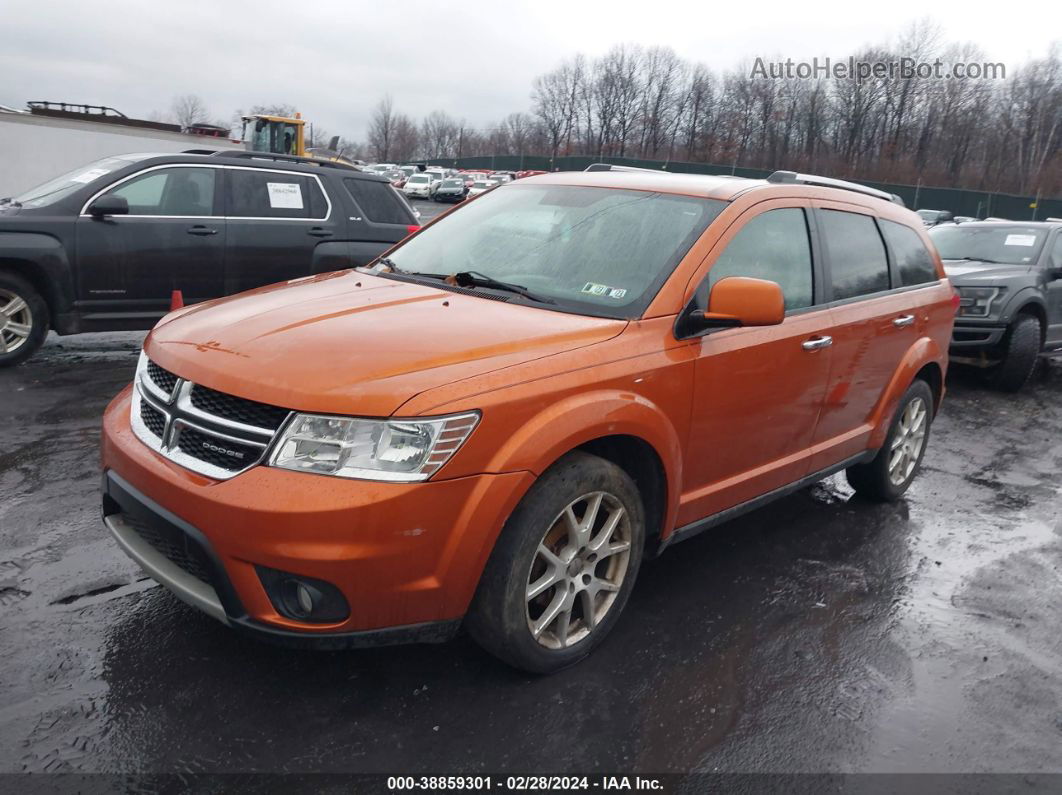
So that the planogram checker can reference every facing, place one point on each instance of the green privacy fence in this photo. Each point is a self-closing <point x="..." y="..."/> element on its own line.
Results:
<point x="979" y="204"/>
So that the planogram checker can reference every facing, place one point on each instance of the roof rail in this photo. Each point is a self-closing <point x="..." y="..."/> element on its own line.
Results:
<point x="791" y="178"/>
<point x="200" y="151"/>
<point x="306" y="161"/>
<point x="611" y="167"/>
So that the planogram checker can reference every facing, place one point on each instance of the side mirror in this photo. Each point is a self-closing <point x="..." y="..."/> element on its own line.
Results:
<point x="742" y="301"/>
<point x="109" y="205"/>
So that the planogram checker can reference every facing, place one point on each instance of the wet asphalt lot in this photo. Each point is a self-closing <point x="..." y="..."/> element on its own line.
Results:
<point x="822" y="633"/>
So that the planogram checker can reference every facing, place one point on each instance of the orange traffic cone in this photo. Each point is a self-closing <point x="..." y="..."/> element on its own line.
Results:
<point x="176" y="300"/>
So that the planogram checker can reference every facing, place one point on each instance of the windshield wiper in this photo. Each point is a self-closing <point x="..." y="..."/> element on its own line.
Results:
<point x="468" y="279"/>
<point x="477" y="279"/>
<point x="978" y="259"/>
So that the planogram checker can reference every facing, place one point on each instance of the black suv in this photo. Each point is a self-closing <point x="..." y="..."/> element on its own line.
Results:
<point x="102" y="247"/>
<point x="1009" y="277"/>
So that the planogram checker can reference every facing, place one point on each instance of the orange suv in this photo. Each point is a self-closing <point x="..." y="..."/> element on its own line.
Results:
<point x="496" y="423"/>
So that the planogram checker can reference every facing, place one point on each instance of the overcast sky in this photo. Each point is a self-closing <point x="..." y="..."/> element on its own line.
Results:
<point x="334" y="59"/>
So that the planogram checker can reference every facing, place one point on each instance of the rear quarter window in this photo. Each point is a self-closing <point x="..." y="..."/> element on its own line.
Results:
<point x="913" y="260"/>
<point x="378" y="201"/>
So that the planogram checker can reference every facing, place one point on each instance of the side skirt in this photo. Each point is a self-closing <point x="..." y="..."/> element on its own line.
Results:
<point x="696" y="528"/>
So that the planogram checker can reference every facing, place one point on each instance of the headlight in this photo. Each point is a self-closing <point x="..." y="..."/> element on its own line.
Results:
<point x="977" y="301"/>
<point x="405" y="450"/>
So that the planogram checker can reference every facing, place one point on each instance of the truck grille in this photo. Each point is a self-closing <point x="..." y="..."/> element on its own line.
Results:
<point x="215" y="451"/>
<point x="163" y="379"/>
<point x="201" y="429"/>
<point x="154" y="419"/>
<point x="238" y="409"/>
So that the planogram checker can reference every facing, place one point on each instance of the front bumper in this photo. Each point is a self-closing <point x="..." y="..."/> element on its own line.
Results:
<point x="969" y="338"/>
<point x="406" y="557"/>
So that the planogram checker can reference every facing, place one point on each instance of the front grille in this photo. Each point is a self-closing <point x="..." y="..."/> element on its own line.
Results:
<point x="212" y="450"/>
<point x="164" y="379"/>
<point x="153" y="418"/>
<point x="236" y="409"/>
<point x="174" y="545"/>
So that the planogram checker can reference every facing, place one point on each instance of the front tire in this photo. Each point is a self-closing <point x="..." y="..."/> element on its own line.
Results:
<point x="23" y="319"/>
<point x="890" y="473"/>
<point x="1021" y="350"/>
<point x="563" y="567"/>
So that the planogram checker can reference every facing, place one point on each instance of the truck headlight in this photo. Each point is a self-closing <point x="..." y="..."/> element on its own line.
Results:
<point x="403" y="450"/>
<point x="977" y="301"/>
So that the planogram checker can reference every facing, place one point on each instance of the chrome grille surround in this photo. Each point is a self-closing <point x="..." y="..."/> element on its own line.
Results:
<point x="222" y="438"/>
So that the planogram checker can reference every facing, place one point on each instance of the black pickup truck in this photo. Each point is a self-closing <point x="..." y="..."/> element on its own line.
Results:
<point x="102" y="247"/>
<point x="1009" y="278"/>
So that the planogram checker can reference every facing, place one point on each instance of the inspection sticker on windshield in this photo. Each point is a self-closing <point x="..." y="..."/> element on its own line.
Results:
<point x="603" y="290"/>
<point x="1020" y="240"/>
<point x="284" y="195"/>
<point x="86" y="177"/>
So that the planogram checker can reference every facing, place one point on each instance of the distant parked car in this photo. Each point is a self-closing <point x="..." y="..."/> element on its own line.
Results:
<point x="934" y="217"/>
<point x="1009" y="278"/>
<point x="502" y="177"/>
<point x="419" y="186"/>
<point x="965" y="219"/>
<point x="532" y="173"/>
<point x="452" y="190"/>
<point x="481" y="186"/>
<point x="102" y="247"/>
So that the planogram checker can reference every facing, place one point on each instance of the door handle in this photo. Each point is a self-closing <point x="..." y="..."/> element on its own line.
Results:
<point x="903" y="320"/>
<point x="319" y="231"/>
<point x="201" y="230"/>
<point x="815" y="343"/>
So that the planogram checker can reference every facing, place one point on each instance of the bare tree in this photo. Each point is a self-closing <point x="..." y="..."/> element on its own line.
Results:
<point x="189" y="110"/>
<point x="382" y="129"/>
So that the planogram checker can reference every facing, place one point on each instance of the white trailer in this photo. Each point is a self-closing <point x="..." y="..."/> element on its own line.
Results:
<point x="35" y="148"/>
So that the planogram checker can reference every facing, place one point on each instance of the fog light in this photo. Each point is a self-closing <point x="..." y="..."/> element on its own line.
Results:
<point x="303" y="598"/>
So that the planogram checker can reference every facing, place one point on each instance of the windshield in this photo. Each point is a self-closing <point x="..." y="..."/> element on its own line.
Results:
<point x="453" y="183"/>
<point x="59" y="188"/>
<point x="1005" y="243"/>
<point x="596" y="251"/>
<point x="416" y="178"/>
<point x="929" y="215"/>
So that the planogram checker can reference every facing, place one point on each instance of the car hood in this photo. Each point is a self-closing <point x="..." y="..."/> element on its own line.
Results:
<point x="351" y="343"/>
<point x="971" y="272"/>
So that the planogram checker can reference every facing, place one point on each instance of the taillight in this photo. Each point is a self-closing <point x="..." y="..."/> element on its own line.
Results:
<point x="411" y="228"/>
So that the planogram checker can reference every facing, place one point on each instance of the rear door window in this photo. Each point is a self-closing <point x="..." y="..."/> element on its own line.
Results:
<point x="774" y="246"/>
<point x="268" y="194"/>
<point x="913" y="260"/>
<point x="858" y="264"/>
<point x="378" y="202"/>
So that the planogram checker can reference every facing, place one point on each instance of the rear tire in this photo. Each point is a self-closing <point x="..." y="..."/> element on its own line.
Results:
<point x="890" y="473"/>
<point x="23" y="319"/>
<point x="1021" y="351"/>
<point x="563" y="567"/>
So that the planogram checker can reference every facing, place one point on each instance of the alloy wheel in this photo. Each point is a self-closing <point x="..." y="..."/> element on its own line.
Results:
<point x="578" y="569"/>
<point x="908" y="441"/>
<point x="16" y="321"/>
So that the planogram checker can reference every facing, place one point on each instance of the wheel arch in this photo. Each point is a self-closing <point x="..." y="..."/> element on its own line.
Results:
<point x="923" y="358"/>
<point x="1032" y="305"/>
<point x="642" y="463"/>
<point x="42" y="261"/>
